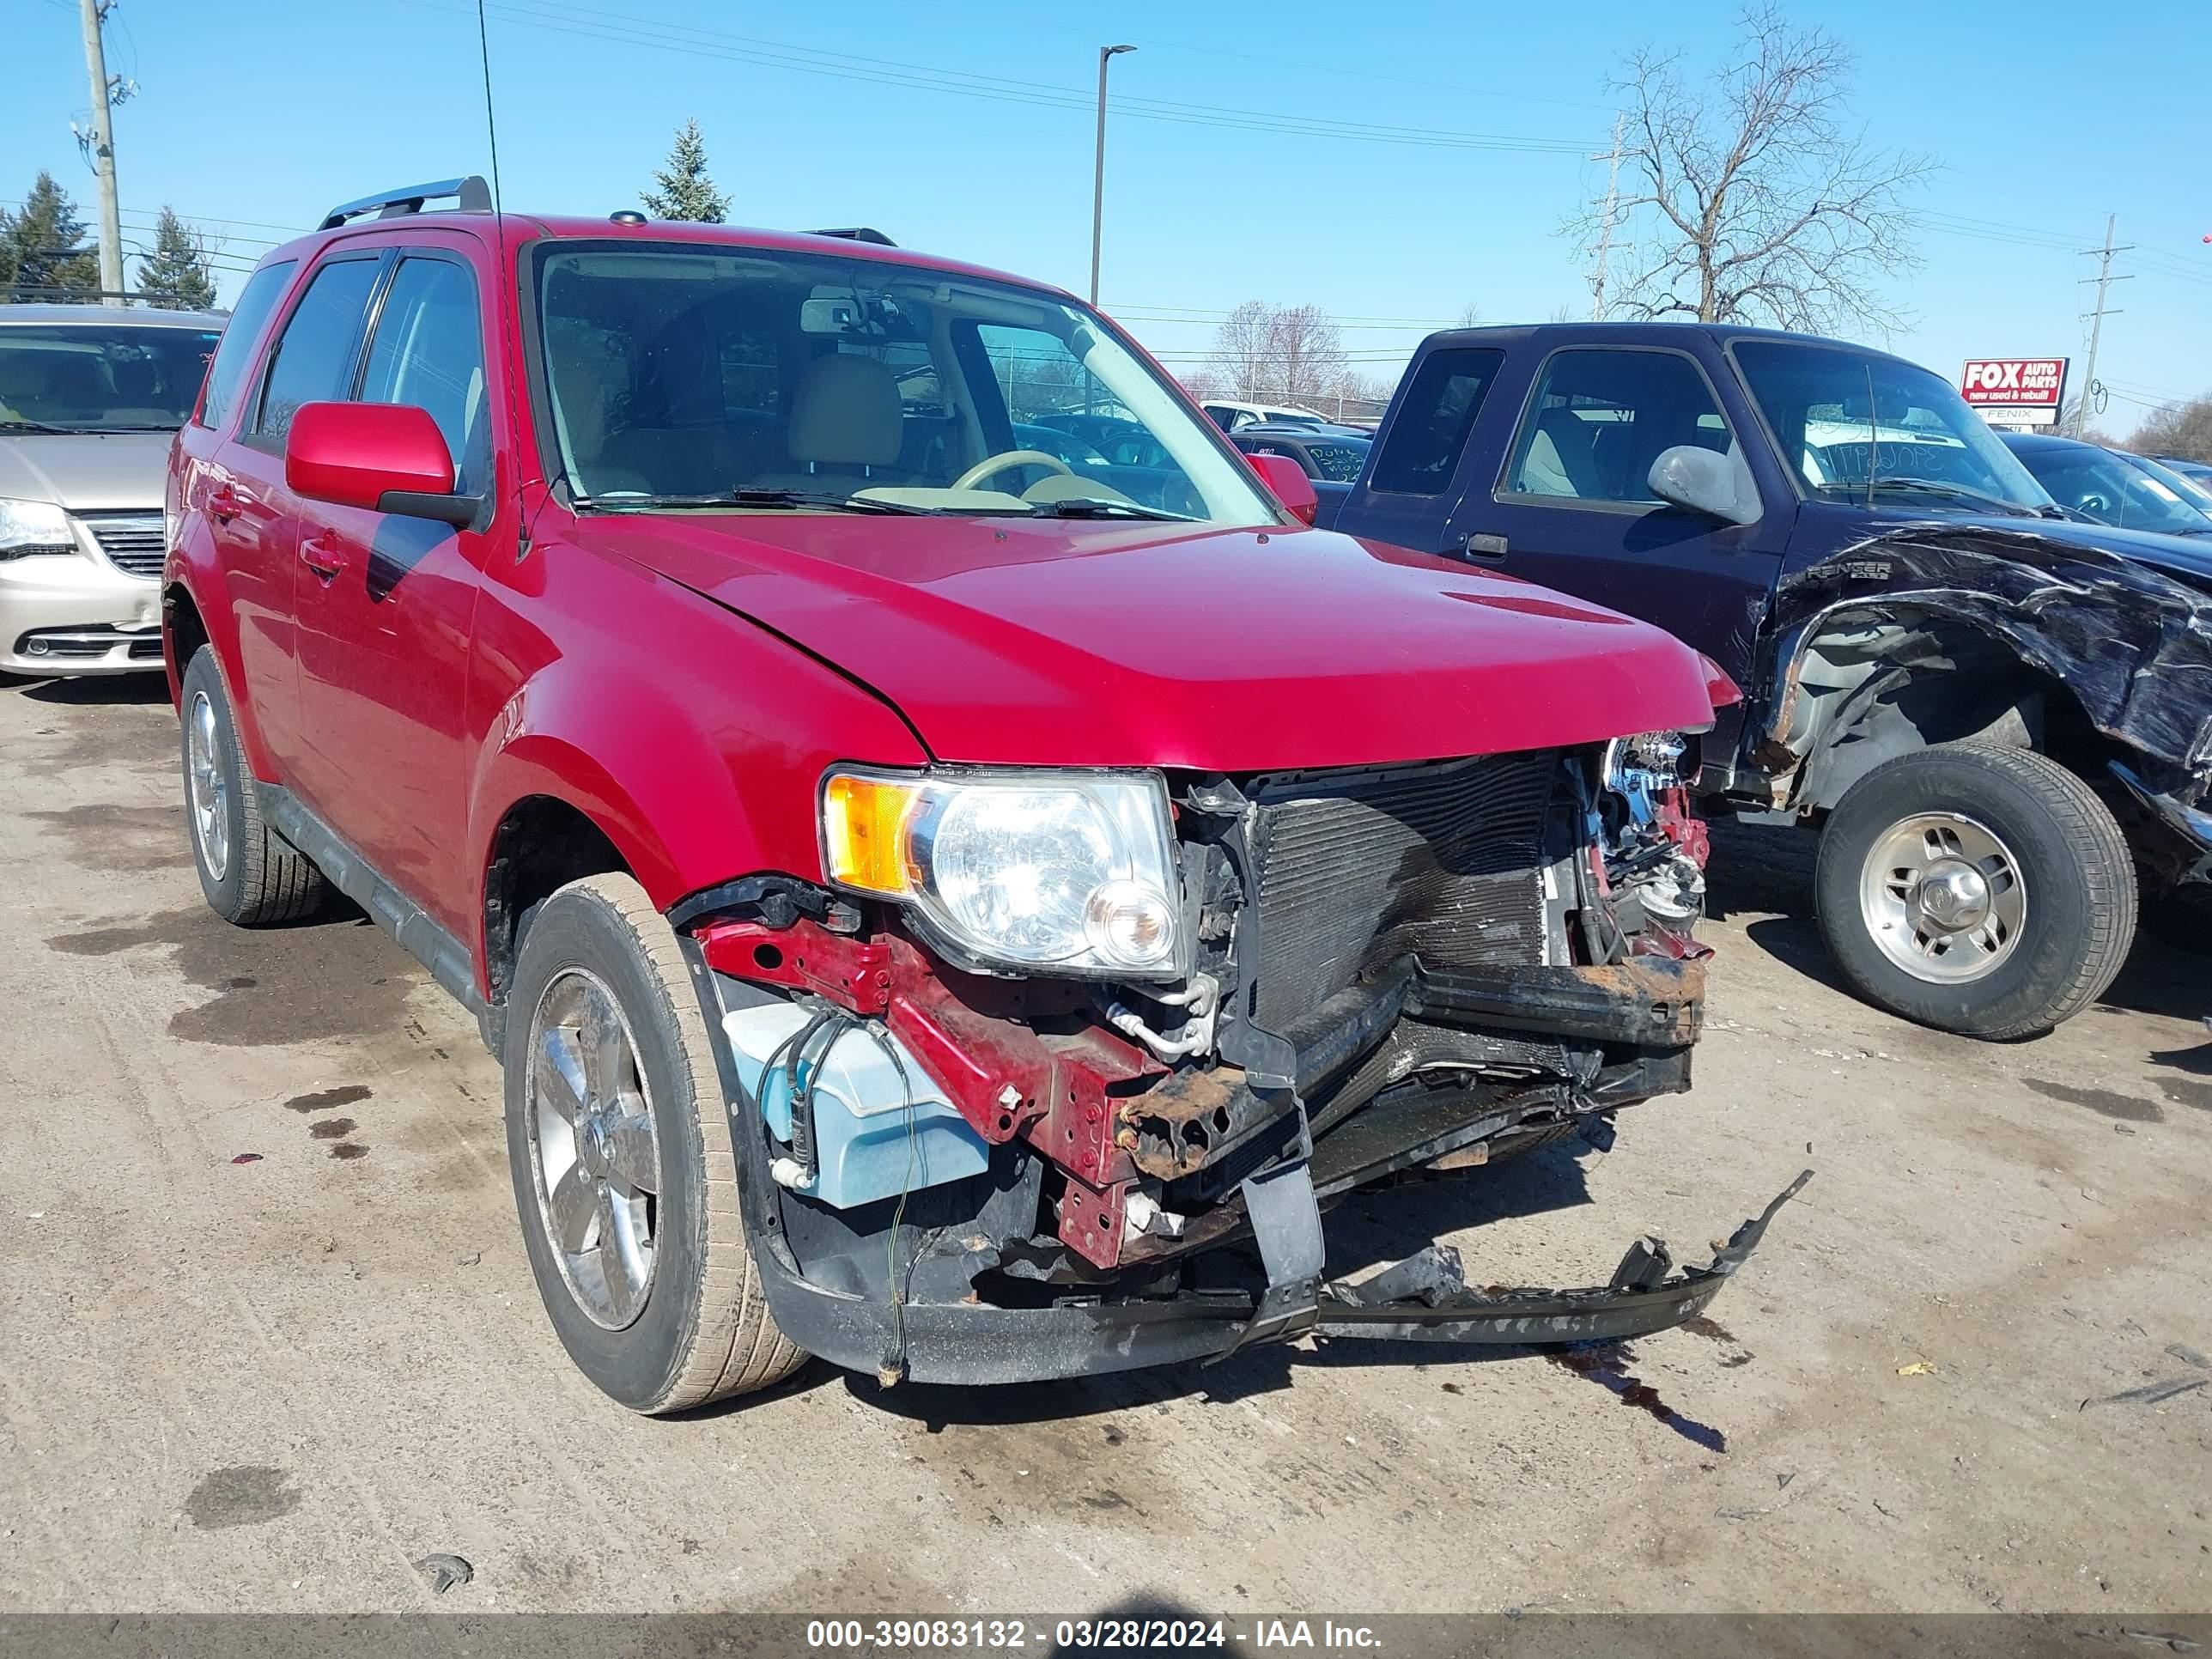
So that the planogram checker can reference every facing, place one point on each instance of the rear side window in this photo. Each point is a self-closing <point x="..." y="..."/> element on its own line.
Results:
<point x="1422" y="451"/>
<point x="1603" y="415"/>
<point x="314" y="357"/>
<point x="428" y="350"/>
<point x="247" y="319"/>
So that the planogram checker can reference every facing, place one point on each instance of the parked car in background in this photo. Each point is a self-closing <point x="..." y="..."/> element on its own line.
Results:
<point x="964" y="932"/>
<point x="1330" y="458"/>
<point x="1232" y="417"/>
<point x="2110" y="486"/>
<point x="90" y="397"/>
<point x="1995" y="717"/>
<point x="2195" y="471"/>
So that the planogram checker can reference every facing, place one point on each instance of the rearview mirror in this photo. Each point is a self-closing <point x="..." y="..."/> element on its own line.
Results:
<point x="1288" y="480"/>
<point x="389" y="458"/>
<point x="1693" y="478"/>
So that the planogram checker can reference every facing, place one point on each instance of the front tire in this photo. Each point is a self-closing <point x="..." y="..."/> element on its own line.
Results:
<point x="624" y="1176"/>
<point x="250" y="875"/>
<point x="1982" y="891"/>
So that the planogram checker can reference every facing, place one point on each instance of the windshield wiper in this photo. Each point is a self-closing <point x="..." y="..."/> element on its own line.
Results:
<point x="1085" y="507"/>
<point x="794" y="500"/>
<point x="23" y="423"/>
<point x="1961" y="493"/>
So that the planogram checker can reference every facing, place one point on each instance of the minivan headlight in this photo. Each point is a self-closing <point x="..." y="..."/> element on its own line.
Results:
<point x="1073" y="871"/>
<point x="29" y="527"/>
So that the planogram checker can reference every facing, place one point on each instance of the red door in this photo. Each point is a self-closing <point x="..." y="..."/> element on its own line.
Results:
<point x="383" y="604"/>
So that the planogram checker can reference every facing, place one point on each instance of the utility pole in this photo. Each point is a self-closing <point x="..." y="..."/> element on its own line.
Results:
<point x="2104" y="279"/>
<point x="1605" y="222"/>
<point x="95" y="13"/>
<point x="1106" y="55"/>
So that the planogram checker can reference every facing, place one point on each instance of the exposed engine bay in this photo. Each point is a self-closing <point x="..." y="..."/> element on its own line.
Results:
<point x="1391" y="973"/>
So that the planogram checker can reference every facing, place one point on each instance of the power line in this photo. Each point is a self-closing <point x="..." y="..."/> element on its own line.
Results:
<point x="590" y="24"/>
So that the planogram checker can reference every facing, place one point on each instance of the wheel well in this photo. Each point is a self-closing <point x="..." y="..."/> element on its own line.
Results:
<point x="540" y="845"/>
<point x="188" y="632"/>
<point x="1869" y="686"/>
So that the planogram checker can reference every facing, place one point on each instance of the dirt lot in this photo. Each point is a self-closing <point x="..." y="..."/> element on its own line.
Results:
<point x="271" y="1384"/>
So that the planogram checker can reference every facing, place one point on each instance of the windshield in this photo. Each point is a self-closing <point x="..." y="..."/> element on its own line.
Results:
<point x="101" y="377"/>
<point x="697" y="376"/>
<point x="1853" y="425"/>
<point x="2119" y="489"/>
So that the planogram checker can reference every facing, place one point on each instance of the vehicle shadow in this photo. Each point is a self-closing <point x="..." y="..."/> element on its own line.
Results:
<point x="93" y="690"/>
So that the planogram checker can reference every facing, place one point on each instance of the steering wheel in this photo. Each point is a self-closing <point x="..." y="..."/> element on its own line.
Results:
<point x="995" y="464"/>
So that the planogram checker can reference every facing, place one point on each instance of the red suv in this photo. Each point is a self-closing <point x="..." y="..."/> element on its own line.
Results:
<point x="940" y="906"/>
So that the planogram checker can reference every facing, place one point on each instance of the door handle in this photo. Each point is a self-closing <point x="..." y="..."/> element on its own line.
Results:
<point x="324" y="558"/>
<point x="1480" y="546"/>
<point x="223" y="504"/>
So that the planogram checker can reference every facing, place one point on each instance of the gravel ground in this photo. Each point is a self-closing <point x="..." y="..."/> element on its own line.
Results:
<point x="267" y="1335"/>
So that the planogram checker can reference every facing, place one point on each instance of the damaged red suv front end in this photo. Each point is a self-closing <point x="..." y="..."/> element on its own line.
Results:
<point x="1338" y="978"/>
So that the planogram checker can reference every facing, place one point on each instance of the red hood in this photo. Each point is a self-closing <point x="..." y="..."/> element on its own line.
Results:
<point x="1070" y="643"/>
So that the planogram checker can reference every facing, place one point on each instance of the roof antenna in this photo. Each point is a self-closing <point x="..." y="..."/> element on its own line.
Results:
<point x="505" y="276"/>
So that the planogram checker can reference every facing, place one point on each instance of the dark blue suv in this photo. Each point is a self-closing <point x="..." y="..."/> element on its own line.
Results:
<point x="1999" y="718"/>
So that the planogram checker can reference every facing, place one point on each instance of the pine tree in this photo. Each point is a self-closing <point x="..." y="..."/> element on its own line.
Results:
<point x="686" y="192"/>
<point x="42" y="251"/>
<point x="176" y="275"/>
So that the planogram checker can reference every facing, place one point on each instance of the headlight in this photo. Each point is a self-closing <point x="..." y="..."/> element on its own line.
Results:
<point x="29" y="527"/>
<point x="1063" y="869"/>
<point x="1650" y="760"/>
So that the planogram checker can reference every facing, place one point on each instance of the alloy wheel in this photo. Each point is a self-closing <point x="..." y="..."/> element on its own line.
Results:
<point x="1944" y="896"/>
<point x="595" y="1159"/>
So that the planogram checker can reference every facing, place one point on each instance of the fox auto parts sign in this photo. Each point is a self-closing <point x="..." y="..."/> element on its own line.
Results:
<point x="2016" y="391"/>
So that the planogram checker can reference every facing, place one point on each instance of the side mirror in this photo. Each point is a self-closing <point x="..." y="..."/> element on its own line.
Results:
<point x="1693" y="478"/>
<point x="1288" y="480"/>
<point x="389" y="458"/>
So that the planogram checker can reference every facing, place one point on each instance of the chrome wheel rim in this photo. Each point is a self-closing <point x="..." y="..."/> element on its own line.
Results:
<point x="1943" y="897"/>
<point x="594" y="1158"/>
<point x="209" y="789"/>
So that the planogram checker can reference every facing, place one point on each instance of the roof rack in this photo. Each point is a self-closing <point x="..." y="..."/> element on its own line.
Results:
<point x="858" y="234"/>
<point x="471" y="195"/>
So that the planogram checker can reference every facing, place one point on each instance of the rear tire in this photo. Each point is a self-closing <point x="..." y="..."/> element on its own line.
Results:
<point x="250" y="875"/>
<point x="624" y="1175"/>
<point x="1982" y="890"/>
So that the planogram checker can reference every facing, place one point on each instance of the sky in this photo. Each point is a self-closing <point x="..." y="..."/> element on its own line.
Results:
<point x="1390" y="164"/>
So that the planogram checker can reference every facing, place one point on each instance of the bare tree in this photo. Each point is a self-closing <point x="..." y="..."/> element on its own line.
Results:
<point x="1239" y="349"/>
<point x="2182" y="429"/>
<point x="1306" y="353"/>
<point x="1278" y="354"/>
<point x="1754" y="202"/>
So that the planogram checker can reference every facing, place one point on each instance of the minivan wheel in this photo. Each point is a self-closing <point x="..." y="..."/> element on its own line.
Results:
<point x="250" y="875"/>
<point x="624" y="1176"/>
<point x="1982" y="891"/>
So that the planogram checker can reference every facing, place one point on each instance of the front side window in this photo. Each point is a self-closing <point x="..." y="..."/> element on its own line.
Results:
<point x="101" y="376"/>
<point x="428" y="350"/>
<point x="1601" y="416"/>
<point x="314" y="356"/>
<point x="263" y="289"/>
<point x="858" y="385"/>
<point x="1422" y="450"/>
<point x="1855" y="426"/>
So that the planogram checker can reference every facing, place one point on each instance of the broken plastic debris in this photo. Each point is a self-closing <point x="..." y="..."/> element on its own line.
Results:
<point x="247" y="1158"/>
<point x="444" y="1572"/>
<point x="1918" y="1367"/>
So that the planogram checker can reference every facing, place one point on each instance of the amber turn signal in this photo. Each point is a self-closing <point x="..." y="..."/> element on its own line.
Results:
<point x="864" y="832"/>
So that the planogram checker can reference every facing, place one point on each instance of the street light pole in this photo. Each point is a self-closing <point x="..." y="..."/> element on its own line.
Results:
<point x="1099" y="170"/>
